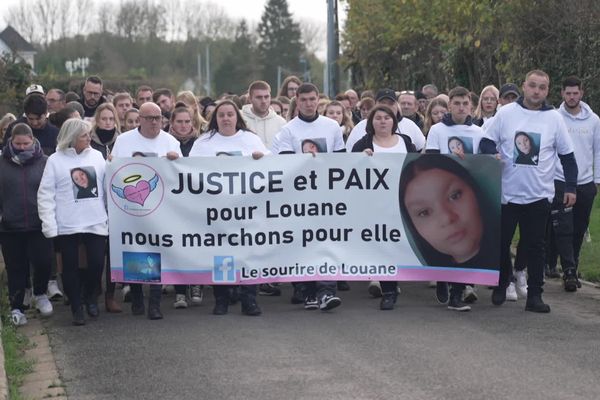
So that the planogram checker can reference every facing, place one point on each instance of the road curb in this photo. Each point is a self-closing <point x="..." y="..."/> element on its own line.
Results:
<point x="590" y="284"/>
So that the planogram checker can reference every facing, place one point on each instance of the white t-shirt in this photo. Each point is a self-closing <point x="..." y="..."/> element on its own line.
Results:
<point x="405" y="126"/>
<point x="322" y="135"/>
<point x="399" y="147"/>
<point x="242" y="143"/>
<point x="528" y="142"/>
<point x="131" y="142"/>
<point x="448" y="139"/>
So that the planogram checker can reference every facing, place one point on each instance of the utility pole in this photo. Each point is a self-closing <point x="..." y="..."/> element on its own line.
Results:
<point x="333" y="49"/>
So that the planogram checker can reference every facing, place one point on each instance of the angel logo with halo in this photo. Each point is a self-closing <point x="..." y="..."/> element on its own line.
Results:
<point x="139" y="192"/>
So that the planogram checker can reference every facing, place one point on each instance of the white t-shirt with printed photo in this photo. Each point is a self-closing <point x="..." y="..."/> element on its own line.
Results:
<point x="322" y="135"/>
<point x="528" y="142"/>
<point x="450" y="139"/>
<point x="405" y="126"/>
<point x="132" y="142"/>
<point x="242" y="143"/>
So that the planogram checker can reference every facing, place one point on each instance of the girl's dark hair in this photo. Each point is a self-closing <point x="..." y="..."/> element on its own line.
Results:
<point x="381" y="107"/>
<point x="239" y="124"/>
<point x="413" y="166"/>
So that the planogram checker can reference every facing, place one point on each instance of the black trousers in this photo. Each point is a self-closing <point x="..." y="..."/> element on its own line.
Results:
<point x="560" y="232"/>
<point x="75" y="282"/>
<point x="531" y="219"/>
<point x="20" y="250"/>
<point x="154" y="295"/>
<point x="247" y="293"/>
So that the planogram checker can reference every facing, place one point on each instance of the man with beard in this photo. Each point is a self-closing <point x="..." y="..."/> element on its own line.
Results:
<point x="569" y="224"/>
<point x="92" y="96"/>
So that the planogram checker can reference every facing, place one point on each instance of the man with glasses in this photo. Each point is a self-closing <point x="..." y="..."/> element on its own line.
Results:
<point x="56" y="100"/>
<point x="148" y="140"/>
<point x="92" y="96"/>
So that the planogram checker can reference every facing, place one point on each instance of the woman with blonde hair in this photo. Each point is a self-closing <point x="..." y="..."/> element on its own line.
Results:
<point x="71" y="206"/>
<point x="486" y="107"/>
<point x="435" y="112"/>
<point x="4" y="123"/>
<point x="189" y="99"/>
<point x="336" y="111"/>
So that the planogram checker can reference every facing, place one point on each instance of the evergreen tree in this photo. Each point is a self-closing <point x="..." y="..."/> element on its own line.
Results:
<point x="280" y="42"/>
<point x="240" y="65"/>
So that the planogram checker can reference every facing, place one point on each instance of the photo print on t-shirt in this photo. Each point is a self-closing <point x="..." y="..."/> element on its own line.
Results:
<point x="460" y="145"/>
<point x="527" y="148"/>
<point x="143" y="154"/>
<point x="229" y="153"/>
<point x="314" y="145"/>
<point x="85" y="185"/>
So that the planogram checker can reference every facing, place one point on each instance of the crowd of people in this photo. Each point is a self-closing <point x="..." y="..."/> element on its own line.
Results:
<point x="54" y="223"/>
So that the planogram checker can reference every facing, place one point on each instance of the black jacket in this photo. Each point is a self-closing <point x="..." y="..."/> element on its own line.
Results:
<point x="18" y="194"/>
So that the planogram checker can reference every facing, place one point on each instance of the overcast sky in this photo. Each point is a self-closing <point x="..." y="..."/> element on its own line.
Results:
<point x="249" y="9"/>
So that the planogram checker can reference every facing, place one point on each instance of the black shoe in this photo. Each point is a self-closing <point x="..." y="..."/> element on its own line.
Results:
<point x="234" y="295"/>
<point x="268" y="289"/>
<point x="552" y="273"/>
<point x="92" y="310"/>
<point x="220" y="308"/>
<point x="297" y="296"/>
<point x="441" y="292"/>
<point x="343" y="286"/>
<point x="154" y="313"/>
<point x="498" y="296"/>
<point x="138" y="308"/>
<point x="388" y="300"/>
<point x="570" y="283"/>
<point x="456" y="304"/>
<point x="79" y="317"/>
<point x="251" y="308"/>
<point x="536" y="304"/>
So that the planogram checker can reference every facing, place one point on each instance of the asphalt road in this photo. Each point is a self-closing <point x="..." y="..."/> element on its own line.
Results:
<point x="420" y="350"/>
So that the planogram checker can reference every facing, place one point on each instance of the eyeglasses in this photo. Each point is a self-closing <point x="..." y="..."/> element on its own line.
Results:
<point x="151" y="118"/>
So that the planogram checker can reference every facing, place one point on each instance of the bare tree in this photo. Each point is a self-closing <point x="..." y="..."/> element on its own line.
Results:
<point x="106" y="18"/>
<point x="314" y="35"/>
<point x="19" y="17"/>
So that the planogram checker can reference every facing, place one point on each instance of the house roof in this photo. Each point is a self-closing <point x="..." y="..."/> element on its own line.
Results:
<point x="15" y="41"/>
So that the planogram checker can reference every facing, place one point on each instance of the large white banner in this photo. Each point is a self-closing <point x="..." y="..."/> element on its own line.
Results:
<point x="288" y="218"/>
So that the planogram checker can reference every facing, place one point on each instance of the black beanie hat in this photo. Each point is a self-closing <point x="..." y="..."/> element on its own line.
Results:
<point x="35" y="104"/>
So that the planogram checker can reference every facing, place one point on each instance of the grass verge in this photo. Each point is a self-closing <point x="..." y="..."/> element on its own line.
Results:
<point x="589" y="259"/>
<point x="15" y="344"/>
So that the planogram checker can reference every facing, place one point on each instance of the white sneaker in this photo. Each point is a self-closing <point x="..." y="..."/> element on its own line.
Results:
<point x="27" y="298"/>
<point x="18" y="318"/>
<point x="180" y="301"/>
<point x="196" y="294"/>
<point x="469" y="295"/>
<point x="511" y="293"/>
<point x="54" y="292"/>
<point x="43" y="305"/>
<point x="374" y="289"/>
<point x="126" y="291"/>
<point x="521" y="277"/>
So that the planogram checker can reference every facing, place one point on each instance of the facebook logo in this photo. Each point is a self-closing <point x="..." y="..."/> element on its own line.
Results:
<point x="224" y="269"/>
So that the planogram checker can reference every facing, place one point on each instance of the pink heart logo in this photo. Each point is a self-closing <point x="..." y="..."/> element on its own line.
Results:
<point x="138" y="193"/>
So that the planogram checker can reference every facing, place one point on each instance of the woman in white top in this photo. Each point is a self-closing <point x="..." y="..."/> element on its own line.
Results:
<point x="71" y="205"/>
<point x="227" y="135"/>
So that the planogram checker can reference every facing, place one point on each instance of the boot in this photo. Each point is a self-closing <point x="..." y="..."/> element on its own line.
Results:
<point x="221" y="306"/>
<point x="536" y="304"/>
<point x="388" y="300"/>
<point x="111" y="304"/>
<point x="570" y="281"/>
